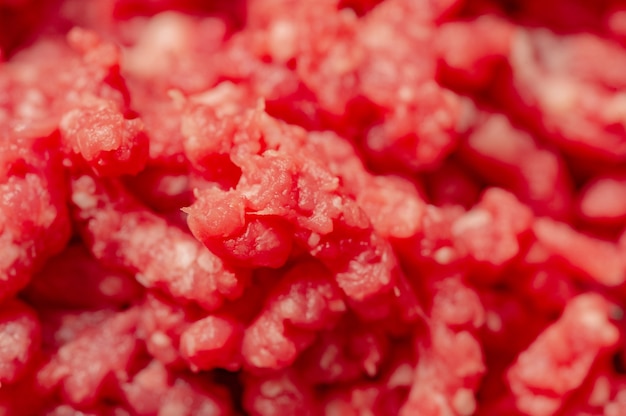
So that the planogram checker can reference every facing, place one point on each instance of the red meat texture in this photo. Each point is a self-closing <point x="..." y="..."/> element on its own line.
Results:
<point x="334" y="207"/>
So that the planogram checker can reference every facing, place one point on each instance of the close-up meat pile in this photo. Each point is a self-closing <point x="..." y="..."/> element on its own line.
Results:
<point x="313" y="207"/>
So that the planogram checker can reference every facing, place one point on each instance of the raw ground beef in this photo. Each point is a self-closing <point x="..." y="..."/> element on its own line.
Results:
<point x="329" y="207"/>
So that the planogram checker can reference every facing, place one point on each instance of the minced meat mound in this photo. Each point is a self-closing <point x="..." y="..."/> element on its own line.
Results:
<point x="314" y="207"/>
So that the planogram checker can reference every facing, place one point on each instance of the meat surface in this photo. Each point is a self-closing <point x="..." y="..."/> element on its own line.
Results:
<point x="332" y="207"/>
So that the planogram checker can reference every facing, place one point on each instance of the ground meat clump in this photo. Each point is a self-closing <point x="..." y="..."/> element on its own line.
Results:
<point x="339" y="207"/>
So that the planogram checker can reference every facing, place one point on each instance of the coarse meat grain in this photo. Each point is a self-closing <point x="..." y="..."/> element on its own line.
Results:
<point x="332" y="207"/>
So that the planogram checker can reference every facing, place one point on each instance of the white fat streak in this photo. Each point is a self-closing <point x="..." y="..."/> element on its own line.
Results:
<point x="159" y="339"/>
<point x="594" y="320"/>
<point x="444" y="255"/>
<point x="33" y="106"/>
<point x="494" y="322"/>
<point x="10" y="254"/>
<point x="283" y="40"/>
<point x="84" y="200"/>
<point x="329" y="358"/>
<point x="464" y="402"/>
<point x="208" y="262"/>
<point x="558" y="95"/>
<point x="601" y="392"/>
<point x="224" y="97"/>
<point x="174" y="185"/>
<point x="401" y="377"/>
<point x="476" y="218"/>
<point x="314" y="240"/>
<point x="185" y="253"/>
<point x="110" y="285"/>
<point x="272" y="388"/>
